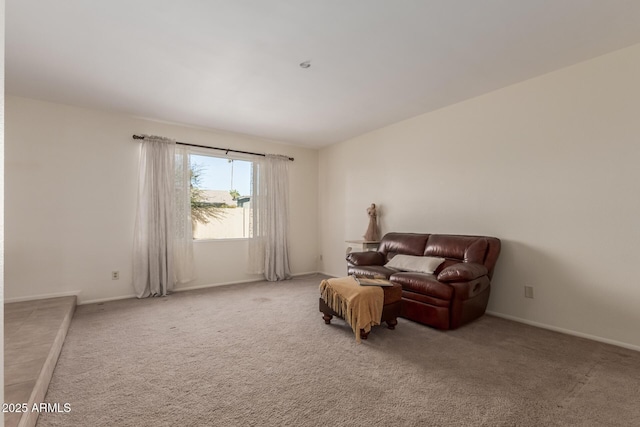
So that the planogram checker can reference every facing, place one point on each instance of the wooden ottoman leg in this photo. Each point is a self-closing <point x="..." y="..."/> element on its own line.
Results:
<point x="327" y="313"/>
<point x="390" y="314"/>
<point x="363" y="335"/>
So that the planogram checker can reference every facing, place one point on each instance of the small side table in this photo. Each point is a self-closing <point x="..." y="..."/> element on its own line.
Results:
<point x="362" y="245"/>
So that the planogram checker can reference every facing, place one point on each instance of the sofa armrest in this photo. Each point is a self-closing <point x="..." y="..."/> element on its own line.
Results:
<point x="366" y="258"/>
<point x="462" y="272"/>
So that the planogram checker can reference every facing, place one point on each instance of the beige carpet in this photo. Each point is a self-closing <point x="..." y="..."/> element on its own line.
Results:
<point x="260" y="355"/>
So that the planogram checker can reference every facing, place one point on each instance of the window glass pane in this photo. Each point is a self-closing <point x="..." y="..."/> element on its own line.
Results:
<point x="220" y="197"/>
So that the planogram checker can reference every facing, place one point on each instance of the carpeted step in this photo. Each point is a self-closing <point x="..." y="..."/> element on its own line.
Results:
<point x="34" y="334"/>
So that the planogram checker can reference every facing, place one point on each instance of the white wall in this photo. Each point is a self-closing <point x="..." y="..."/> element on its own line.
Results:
<point x="549" y="165"/>
<point x="71" y="179"/>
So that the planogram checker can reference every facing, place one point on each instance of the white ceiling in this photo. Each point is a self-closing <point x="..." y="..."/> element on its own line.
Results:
<point x="234" y="64"/>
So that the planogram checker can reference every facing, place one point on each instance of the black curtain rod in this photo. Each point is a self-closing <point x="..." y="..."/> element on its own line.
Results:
<point x="214" y="148"/>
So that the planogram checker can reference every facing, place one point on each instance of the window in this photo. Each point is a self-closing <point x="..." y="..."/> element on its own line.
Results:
<point x="221" y="191"/>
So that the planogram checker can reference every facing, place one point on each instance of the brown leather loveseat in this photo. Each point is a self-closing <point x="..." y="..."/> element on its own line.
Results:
<point x="456" y="293"/>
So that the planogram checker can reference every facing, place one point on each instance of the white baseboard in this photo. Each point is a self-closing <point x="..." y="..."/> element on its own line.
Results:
<point x="327" y="274"/>
<point x="189" y="288"/>
<point x="566" y="331"/>
<point x="99" y="300"/>
<point x="43" y="296"/>
<point x="119" y="297"/>
<point x="213" y="285"/>
<point x="237" y="282"/>
<point x="305" y="274"/>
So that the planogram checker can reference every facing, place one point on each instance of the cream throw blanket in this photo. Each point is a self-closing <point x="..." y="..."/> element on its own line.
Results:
<point x="359" y="306"/>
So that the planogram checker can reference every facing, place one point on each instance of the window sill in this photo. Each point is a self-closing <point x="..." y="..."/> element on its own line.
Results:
<point x="230" y="239"/>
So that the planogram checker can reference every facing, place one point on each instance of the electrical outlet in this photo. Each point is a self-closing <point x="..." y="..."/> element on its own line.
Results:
<point x="528" y="291"/>
<point x="320" y="257"/>
<point x="115" y="275"/>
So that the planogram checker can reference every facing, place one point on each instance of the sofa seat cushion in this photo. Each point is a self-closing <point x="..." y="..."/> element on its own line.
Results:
<point x="425" y="284"/>
<point x="370" y="271"/>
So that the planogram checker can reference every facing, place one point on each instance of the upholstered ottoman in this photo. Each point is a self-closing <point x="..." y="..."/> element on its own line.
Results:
<point x="392" y="296"/>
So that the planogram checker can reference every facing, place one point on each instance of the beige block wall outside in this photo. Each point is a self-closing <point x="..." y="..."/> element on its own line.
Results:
<point x="235" y="224"/>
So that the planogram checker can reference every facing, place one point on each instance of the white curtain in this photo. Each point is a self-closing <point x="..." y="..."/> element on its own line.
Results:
<point x="157" y="265"/>
<point x="269" y="246"/>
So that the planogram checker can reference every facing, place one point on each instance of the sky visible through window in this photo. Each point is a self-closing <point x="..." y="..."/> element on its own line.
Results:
<point x="224" y="174"/>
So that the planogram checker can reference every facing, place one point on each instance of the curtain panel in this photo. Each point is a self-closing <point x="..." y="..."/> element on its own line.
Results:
<point x="269" y="245"/>
<point x="162" y="246"/>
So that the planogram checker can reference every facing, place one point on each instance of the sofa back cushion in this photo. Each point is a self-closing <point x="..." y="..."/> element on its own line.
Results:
<point x="403" y="243"/>
<point x="453" y="248"/>
<point x="457" y="248"/>
<point x="461" y="248"/>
